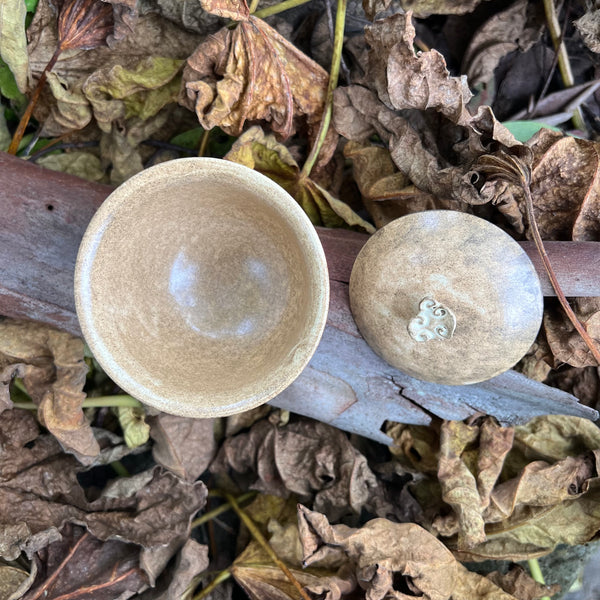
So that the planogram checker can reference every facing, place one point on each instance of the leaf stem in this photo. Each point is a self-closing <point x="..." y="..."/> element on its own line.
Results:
<point x="218" y="580"/>
<point x="221" y="509"/>
<point x="336" y="59"/>
<point x="277" y="8"/>
<point x="564" y="66"/>
<point x="552" y="275"/>
<point x="204" y="142"/>
<point x="253" y="6"/>
<point x="20" y="132"/>
<point x="99" y="402"/>
<point x="259" y="537"/>
<point x="536" y="573"/>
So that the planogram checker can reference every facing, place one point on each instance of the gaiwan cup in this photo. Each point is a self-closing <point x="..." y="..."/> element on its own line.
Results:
<point x="201" y="287"/>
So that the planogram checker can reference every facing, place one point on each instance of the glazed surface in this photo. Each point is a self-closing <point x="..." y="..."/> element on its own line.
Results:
<point x="200" y="288"/>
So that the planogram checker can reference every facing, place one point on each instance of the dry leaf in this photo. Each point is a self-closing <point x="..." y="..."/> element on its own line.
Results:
<point x="509" y="30"/>
<point x="81" y="567"/>
<point x="386" y="192"/>
<point x="53" y="370"/>
<point x="382" y="554"/>
<point x="39" y="491"/>
<point x="13" y="41"/>
<point x="252" y="73"/>
<point x="589" y="28"/>
<point x="436" y="145"/>
<point x="181" y="445"/>
<point x="265" y="154"/>
<point x="309" y="459"/>
<point x="519" y="584"/>
<point x="84" y="24"/>
<point x="82" y="164"/>
<point x="425" y="8"/>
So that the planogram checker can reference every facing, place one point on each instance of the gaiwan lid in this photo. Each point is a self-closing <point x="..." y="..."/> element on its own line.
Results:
<point x="446" y="297"/>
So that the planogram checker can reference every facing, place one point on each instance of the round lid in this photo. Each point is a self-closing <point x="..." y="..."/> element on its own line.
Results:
<point x="446" y="297"/>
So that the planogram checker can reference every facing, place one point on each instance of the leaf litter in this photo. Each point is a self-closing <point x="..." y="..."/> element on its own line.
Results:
<point x="407" y="135"/>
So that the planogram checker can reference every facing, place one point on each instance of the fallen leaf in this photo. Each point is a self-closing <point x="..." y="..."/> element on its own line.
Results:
<point x="589" y="28"/>
<point x="191" y="560"/>
<point x="53" y="370"/>
<point x="13" y="41"/>
<point x="566" y="344"/>
<point x="436" y="145"/>
<point x="382" y="554"/>
<point x="84" y="24"/>
<point x="519" y="584"/>
<point x="387" y="194"/>
<point x="516" y="28"/>
<point x="309" y="459"/>
<point x="40" y="491"/>
<point x="80" y="566"/>
<point x="11" y="582"/>
<point x="132" y="419"/>
<point x="265" y="154"/>
<point x="181" y="445"/>
<point x="82" y="164"/>
<point x="252" y="73"/>
<point x="426" y="8"/>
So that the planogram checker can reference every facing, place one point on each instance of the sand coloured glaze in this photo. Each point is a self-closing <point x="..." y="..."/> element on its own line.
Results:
<point x="201" y="287"/>
<point x="446" y="297"/>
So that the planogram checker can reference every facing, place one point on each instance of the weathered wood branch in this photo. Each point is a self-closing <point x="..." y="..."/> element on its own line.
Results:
<point x="44" y="216"/>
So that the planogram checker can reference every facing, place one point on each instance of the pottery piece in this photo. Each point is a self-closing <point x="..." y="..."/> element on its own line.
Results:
<point x="446" y="297"/>
<point x="201" y="287"/>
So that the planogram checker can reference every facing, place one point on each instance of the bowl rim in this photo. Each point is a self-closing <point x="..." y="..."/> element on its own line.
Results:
<point x="90" y="243"/>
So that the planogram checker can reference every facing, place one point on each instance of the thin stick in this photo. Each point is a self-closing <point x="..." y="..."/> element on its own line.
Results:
<point x="277" y="8"/>
<point x="258" y="536"/>
<point x="338" y="42"/>
<point x="221" y="509"/>
<point x="204" y="142"/>
<point x="218" y="580"/>
<point x="548" y="266"/>
<point x="20" y="132"/>
<point x="253" y="6"/>
<point x="564" y="65"/>
<point x="536" y="573"/>
<point x="99" y="402"/>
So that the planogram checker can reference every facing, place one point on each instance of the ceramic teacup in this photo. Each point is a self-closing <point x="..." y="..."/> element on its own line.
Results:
<point x="201" y="287"/>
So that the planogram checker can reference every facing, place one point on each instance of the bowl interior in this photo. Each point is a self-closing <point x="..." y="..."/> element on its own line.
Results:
<point x="201" y="288"/>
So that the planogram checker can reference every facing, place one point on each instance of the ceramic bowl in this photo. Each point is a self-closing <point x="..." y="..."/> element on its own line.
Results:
<point x="201" y="287"/>
<point x="446" y="297"/>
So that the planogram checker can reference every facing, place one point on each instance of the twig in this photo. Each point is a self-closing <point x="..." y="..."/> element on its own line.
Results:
<point x="221" y="509"/>
<point x="204" y="143"/>
<point x="564" y="65"/>
<point x="218" y="580"/>
<point x="100" y="401"/>
<point x="548" y="266"/>
<point x="277" y="8"/>
<point x="20" y="132"/>
<point x="536" y="573"/>
<point x="56" y="145"/>
<point x="258" y="536"/>
<point x="338" y="42"/>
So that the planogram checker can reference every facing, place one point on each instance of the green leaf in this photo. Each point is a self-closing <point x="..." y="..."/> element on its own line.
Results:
<point x="13" y="40"/>
<point x="133" y="422"/>
<point x="5" y="136"/>
<point x="189" y="139"/>
<point x="8" y="85"/>
<point x="524" y="130"/>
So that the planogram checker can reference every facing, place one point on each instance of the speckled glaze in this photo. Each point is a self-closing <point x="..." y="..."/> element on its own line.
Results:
<point x="446" y="297"/>
<point x="201" y="287"/>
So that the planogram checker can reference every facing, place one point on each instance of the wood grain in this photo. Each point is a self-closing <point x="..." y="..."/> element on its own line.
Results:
<point x="44" y="216"/>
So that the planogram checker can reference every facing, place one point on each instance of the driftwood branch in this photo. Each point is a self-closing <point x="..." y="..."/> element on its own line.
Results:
<point x="45" y="215"/>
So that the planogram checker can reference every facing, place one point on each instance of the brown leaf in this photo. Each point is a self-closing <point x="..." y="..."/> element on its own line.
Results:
<point x="307" y="458"/>
<point x="506" y="31"/>
<point x="589" y="28"/>
<point x="84" y="24"/>
<point x="386" y="192"/>
<point x="425" y="8"/>
<point x="252" y="73"/>
<point x="436" y="145"/>
<point x="183" y="446"/>
<point x="80" y="566"/>
<point x="265" y="154"/>
<point x="519" y="584"/>
<point x="382" y="554"/>
<point x="53" y="370"/>
<point x="40" y="491"/>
